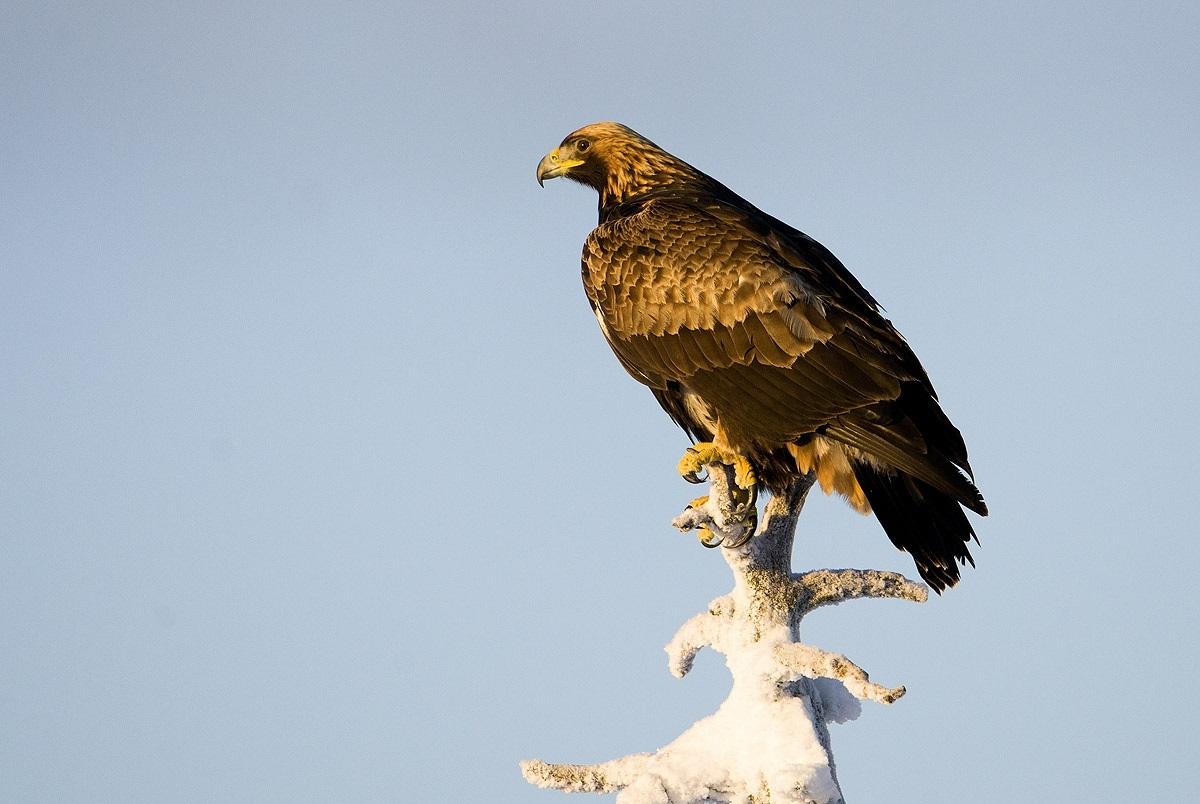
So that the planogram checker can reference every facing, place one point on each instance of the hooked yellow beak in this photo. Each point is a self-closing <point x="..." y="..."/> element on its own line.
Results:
<point x="554" y="165"/>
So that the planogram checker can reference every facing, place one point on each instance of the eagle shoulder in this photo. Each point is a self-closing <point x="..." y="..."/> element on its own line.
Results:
<point x="679" y="289"/>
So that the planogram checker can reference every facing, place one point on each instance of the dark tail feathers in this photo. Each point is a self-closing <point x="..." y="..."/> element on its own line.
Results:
<point x="927" y="523"/>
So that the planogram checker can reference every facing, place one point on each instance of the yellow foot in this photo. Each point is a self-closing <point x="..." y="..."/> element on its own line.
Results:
<point x="743" y="494"/>
<point x="706" y="536"/>
<point x="699" y="455"/>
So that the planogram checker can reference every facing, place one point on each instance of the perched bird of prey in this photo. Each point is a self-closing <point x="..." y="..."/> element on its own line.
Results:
<point x="760" y="344"/>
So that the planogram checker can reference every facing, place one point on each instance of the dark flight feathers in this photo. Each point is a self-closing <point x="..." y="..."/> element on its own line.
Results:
<point x="741" y="323"/>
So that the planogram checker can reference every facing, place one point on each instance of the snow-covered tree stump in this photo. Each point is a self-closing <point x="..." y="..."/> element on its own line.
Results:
<point x="769" y="741"/>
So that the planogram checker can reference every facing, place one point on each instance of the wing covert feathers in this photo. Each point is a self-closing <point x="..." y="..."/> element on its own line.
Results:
<point x="740" y="323"/>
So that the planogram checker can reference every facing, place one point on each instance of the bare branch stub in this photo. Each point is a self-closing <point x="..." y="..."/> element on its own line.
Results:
<point x="699" y="632"/>
<point x="831" y="586"/>
<point x="805" y="660"/>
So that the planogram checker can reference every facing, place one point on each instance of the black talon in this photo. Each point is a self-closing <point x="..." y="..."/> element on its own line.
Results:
<point x="750" y="525"/>
<point x="694" y="477"/>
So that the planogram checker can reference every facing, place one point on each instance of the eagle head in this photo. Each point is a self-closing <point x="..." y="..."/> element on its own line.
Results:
<point x="614" y="160"/>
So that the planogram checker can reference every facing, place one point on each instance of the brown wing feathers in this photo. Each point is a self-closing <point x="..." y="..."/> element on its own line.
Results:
<point x="704" y="297"/>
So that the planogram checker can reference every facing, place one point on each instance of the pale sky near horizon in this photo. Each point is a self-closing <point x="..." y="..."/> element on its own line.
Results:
<point x="318" y="483"/>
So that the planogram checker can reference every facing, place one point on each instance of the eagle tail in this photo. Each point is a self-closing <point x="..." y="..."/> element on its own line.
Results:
<point x="925" y="522"/>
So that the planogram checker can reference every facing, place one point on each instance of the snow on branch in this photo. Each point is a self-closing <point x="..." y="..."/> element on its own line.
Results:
<point x="769" y="740"/>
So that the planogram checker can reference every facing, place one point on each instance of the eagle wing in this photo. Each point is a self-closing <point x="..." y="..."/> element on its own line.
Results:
<point x="766" y="325"/>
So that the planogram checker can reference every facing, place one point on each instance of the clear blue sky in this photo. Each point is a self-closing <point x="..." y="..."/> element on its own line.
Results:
<point x="318" y="483"/>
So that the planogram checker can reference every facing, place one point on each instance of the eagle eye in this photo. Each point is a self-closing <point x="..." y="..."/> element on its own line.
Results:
<point x="582" y="145"/>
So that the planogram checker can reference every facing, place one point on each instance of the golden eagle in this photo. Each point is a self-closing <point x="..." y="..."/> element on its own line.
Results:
<point x="760" y="344"/>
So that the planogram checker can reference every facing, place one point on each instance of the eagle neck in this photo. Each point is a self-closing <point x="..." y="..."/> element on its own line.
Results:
<point x="643" y="172"/>
<point x="692" y="193"/>
<point x="614" y="211"/>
